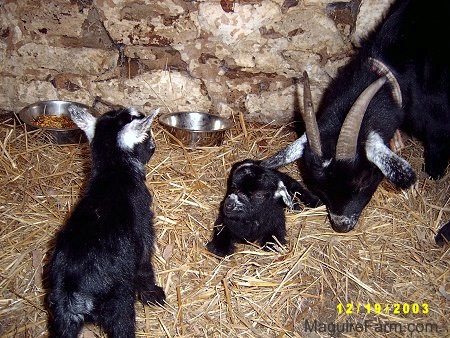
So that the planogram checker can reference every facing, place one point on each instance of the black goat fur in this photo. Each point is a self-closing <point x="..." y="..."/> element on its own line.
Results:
<point x="253" y="207"/>
<point x="411" y="42"/>
<point x="102" y="258"/>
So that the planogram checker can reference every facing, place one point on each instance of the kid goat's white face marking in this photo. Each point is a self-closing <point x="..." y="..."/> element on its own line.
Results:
<point x="132" y="134"/>
<point x="136" y="131"/>
<point x="244" y="165"/>
<point x="237" y="204"/>
<point x="235" y="199"/>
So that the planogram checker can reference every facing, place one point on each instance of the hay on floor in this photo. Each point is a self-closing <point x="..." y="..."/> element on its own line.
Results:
<point x="390" y="258"/>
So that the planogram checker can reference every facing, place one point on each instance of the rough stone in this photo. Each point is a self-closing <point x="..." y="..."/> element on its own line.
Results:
<point x="226" y="57"/>
<point x="169" y="89"/>
<point x="17" y="94"/>
<point x="87" y="61"/>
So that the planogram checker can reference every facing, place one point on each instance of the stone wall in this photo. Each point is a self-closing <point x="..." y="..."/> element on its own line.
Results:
<point x="224" y="56"/>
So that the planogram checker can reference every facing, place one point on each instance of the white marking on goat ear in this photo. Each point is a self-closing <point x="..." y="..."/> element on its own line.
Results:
<point x="135" y="132"/>
<point x="292" y="152"/>
<point x="394" y="168"/>
<point x="84" y="120"/>
<point x="153" y="114"/>
<point x="283" y="193"/>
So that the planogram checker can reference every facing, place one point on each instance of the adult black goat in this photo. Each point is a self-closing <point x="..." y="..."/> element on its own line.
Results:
<point x="102" y="256"/>
<point x="398" y="79"/>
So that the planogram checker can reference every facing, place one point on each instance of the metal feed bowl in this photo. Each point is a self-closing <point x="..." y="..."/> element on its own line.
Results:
<point x="30" y="113"/>
<point x="195" y="129"/>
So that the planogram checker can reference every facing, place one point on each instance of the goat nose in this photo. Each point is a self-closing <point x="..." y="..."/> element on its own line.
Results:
<point x="342" y="223"/>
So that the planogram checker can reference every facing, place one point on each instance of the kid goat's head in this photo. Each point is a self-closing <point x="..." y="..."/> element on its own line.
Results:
<point x="119" y="132"/>
<point x="252" y="190"/>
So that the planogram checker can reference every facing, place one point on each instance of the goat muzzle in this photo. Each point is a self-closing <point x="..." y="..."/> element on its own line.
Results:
<point x="341" y="223"/>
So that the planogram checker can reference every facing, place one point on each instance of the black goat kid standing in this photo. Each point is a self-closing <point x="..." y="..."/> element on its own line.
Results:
<point x="102" y="257"/>
<point x="400" y="78"/>
<point x="253" y="207"/>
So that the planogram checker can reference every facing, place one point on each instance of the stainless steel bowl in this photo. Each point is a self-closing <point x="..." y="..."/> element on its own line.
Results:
<point x="30" y="113"/>
<point x="195" y="129"/>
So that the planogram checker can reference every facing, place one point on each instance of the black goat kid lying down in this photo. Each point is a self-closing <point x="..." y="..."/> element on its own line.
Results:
<point x="399" y="79"/>
<point x="102" y="257"/>
<point x="253" y="207"/>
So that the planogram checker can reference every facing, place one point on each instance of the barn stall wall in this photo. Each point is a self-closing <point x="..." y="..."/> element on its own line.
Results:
<point x="219" y="56"/>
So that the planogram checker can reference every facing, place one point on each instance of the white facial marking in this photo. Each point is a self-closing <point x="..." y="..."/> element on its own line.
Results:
<point x="244" y="165"/>
<point x="137" y="131"/>
<point x="235" y="199"/>
<point x="131" y="135"/>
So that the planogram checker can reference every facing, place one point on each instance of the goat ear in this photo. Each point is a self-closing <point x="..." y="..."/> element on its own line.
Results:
<point x="136" y="131"/>
<point x="283" y="193"/>
<point x="394" y="168"/>
<point x="292" y="152"/>
<point x="84" y="120"/>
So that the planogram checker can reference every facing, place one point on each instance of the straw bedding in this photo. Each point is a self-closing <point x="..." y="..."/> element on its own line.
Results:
<point x="390" y="257"/>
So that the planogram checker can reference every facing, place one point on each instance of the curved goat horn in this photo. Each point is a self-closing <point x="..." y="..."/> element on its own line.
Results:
<point x="381" y="70"/>
<point x="312" y="130"/>
<point x="348" y="137"/>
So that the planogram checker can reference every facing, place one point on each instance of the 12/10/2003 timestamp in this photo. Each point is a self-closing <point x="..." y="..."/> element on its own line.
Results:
<point x="378" y="308"/>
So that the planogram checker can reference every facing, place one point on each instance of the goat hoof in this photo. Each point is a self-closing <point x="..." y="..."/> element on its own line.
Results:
<point x="218" y="252"/>
<point x="154" y="296"/>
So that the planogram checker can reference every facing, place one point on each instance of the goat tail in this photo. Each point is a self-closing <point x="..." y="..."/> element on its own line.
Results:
<point x="68" y="312"/>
